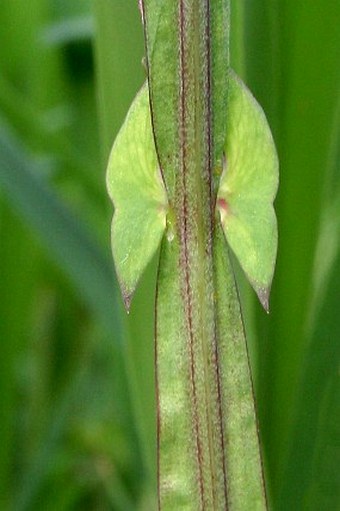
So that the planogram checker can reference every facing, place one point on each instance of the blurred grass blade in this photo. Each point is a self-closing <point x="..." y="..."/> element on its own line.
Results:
<point x="40" y="466"/>
<point x="80" y="28"/>
<point x="48" y="136"/>
<point x="119" y="49"/>
<point x="312" y="478"/>
<point x="292" y="65"/>
<point x="67" y="240"/>
<point x="18" y="276"/>
<point x="326" y="251"/>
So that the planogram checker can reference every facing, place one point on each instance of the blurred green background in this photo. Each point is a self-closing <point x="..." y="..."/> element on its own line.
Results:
<point x="77" y="420"/>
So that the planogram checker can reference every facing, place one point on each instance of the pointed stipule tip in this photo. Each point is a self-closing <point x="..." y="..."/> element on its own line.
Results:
<point x="263" y="295"/>
<point x="127" y="292"/>
<point x="127" y="297"/>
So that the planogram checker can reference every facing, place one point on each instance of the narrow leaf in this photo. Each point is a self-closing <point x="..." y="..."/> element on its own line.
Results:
<point x="67" y="240"/>
<point x="136" y="189"/>
<point x="248" y="187"/>
<point x="311" y="479"/>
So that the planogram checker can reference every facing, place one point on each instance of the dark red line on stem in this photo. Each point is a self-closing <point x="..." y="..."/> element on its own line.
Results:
<point x="209" y="112"/>
<point x="158" y="411"/>
<point x="209" y="121"/>
<point x="184" y="246"/>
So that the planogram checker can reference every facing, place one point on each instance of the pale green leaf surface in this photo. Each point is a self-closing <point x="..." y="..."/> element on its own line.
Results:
<point x="248" y="187"/>
<point x="136" y="189"/>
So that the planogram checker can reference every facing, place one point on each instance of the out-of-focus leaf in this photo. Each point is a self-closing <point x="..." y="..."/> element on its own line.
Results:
<point x="312" y="477"/>
<point x="119" y="49"/>
<point x="18" y="275"/>
<point x="66" y="238"/>
<point x="69" y="31"/>
<point x="292" y="66"/>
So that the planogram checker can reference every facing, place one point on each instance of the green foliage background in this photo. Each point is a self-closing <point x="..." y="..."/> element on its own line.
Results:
<point x="77" y="422"/>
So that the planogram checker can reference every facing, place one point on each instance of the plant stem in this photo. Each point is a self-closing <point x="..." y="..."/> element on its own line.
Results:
<point x="207" y="438"/>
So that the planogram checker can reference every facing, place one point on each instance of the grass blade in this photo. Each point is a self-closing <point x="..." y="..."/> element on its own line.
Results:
<point x="67" y="240"/>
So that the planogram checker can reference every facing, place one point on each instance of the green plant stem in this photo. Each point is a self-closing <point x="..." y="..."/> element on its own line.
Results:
<point x="207" y="438"/>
